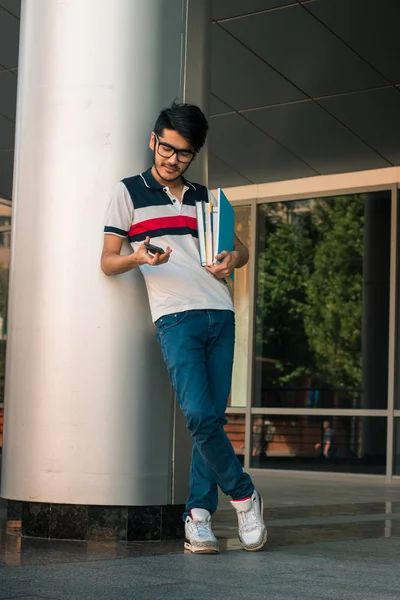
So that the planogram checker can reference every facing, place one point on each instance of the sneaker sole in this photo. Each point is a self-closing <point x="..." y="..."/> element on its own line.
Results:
<point x="265" y="536"/>
<point x="260" y="545"/>
<point x="200" y="549"/>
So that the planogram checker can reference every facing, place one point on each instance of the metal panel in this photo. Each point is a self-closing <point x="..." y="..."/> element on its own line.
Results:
<point x="303" y="50"/>
<point x="9" y="38"/>
<point x="371" y="29"/>
<point x="252" y="153"/>
<point x="343" y="412"/>
<point x="372" y="115"/>
<point x="6" y="170"/>
<point x="217" y="107"/>
<point x="393" y="320"/>
<point x="13" y="6"/>
<point x="195" y="88"/>
<point x="316" y="137"/>
<point x="7" y="128"/>
<point x="223" y="9"/>
<point x="251" y="334"/>
<point x="8" y="93"/>
<point x="221" y="174"/>
<point x="243" y="80"/>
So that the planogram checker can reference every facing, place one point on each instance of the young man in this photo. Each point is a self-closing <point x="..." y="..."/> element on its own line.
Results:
<point x="193" y="313"/>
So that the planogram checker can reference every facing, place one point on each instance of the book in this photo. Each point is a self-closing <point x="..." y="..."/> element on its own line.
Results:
<point x="224" y="225"/>
<point x="216" y="228"/>
<point x="209" y="236"/>
<point x="201" y="232"/>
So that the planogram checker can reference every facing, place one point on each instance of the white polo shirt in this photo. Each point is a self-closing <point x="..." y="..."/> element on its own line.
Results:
<point x="141" y="207"/>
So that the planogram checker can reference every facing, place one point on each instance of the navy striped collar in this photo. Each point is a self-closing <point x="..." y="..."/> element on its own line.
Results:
<point x="152" y="183"/>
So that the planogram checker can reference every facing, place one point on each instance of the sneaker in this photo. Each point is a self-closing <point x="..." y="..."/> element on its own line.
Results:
<point x="198" y="533"/>
<point x="252" y="530"/>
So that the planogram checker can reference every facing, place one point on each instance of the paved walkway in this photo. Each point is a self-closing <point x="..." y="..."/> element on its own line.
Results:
<point x="329" y="538"/>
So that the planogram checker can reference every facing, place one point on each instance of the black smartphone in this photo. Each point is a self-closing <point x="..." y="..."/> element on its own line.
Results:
<point x="153" y="249"/>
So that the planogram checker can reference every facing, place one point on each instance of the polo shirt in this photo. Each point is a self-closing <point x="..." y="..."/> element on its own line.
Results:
<point x="141" y="207"/>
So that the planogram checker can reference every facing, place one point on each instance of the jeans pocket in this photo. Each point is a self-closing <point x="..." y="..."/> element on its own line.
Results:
<point x="165" y="323"/>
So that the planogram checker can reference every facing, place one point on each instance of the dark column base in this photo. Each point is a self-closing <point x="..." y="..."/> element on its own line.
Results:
<point x="82" y="522"/>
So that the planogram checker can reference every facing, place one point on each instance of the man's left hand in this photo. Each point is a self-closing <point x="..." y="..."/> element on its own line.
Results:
<point x="223" y="269"/>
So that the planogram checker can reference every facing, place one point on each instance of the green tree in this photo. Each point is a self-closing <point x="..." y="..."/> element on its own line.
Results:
<point x="333" y="309"/>
<point x="284" y="267"/>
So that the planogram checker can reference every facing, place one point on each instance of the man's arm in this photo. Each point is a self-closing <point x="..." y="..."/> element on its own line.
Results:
<point x="112" y="263"/>
<point x="229" y="260"/>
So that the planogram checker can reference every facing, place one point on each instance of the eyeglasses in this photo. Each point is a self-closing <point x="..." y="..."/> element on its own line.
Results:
<point x="166" y="151"/>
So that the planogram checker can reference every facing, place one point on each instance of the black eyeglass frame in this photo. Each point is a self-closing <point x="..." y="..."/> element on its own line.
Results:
<point x="176" y="151"/>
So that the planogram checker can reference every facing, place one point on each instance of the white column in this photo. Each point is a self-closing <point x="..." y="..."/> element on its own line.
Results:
<point x="89" y="409"/>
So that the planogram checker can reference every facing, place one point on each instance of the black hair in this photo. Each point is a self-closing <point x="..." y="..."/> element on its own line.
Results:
<point x="187" y="119"/>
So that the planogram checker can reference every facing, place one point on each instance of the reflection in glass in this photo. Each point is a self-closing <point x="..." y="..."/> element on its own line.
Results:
<point x="235" y="430"/>
<point x="334" y="443"/>
<point x="322" y="303"/>
<point x="241" y="299"/>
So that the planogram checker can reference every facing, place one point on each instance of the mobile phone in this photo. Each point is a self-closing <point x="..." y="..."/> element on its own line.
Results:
<point x="153" y="249"/>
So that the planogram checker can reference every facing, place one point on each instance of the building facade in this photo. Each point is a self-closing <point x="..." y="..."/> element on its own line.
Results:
<point x="304" y="120"/>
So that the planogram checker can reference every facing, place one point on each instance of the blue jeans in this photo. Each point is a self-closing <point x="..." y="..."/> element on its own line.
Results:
<point x="197" y="346"/>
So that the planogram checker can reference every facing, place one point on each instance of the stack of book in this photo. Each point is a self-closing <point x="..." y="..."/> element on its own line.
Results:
<point x="216" y="227"/>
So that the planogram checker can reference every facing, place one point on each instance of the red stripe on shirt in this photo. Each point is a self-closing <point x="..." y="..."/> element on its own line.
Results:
<point x="163" y="223"/>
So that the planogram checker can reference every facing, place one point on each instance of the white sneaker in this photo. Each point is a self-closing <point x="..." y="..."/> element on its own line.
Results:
<point x="198" y="533"/>
<point x="252" y="530"/>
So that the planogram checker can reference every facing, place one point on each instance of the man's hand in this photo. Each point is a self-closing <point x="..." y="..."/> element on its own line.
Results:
<point x="223" y="269"/>
<point x="113" y="263"/>
<point x="142" y="256"/>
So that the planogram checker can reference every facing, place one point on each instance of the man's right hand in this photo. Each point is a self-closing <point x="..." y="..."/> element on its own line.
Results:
<point x="113" y="263"/>
<point x="141" y="256"/>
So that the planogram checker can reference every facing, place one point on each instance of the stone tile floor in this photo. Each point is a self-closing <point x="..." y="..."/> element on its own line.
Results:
<point x="330" y="537"/>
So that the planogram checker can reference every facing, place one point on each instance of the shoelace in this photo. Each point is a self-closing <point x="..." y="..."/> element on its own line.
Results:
<point x="201" y="528"/>
<point x="248" y="520"/>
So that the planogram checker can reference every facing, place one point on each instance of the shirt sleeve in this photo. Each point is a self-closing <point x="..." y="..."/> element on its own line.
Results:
<point x="119" y="217"/>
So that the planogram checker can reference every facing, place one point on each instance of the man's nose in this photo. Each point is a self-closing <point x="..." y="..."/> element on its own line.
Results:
<point x="173" y="159"/>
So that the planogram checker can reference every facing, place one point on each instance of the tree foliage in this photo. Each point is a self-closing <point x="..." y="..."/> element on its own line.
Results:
<point x="309" y="299"/>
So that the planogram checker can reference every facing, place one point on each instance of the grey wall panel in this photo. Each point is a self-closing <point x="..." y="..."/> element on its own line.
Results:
<point x="13" y="6"/>
<point x="7" y="129"/>
<point x="242" y="79"/>
<point x="250" y="152"/>
<point x="374" y="116"/>
<point x="217" y="107"/>
<point x="303" y="50"/>
<point x="6" y="169"/>
<point x="222" y="9"/>
<point x="222" y="175"/>
<point x="316" y="137"/>
<point x="8" y="93"/>
<point x="9" y="39"/>
<point x="372" y="30"/>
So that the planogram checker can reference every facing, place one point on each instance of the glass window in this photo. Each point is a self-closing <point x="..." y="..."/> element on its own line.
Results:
<point x="322" y="303"/>
<point x="235" y="430"/>
<point x="334" y="443"/>
<point x="241" y="299"/>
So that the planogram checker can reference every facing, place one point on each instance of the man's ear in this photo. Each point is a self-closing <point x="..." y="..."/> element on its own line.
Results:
<point x="152" y="142"/>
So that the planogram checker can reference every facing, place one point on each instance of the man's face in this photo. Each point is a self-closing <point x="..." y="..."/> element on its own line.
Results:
<point x="168" y="163"/>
